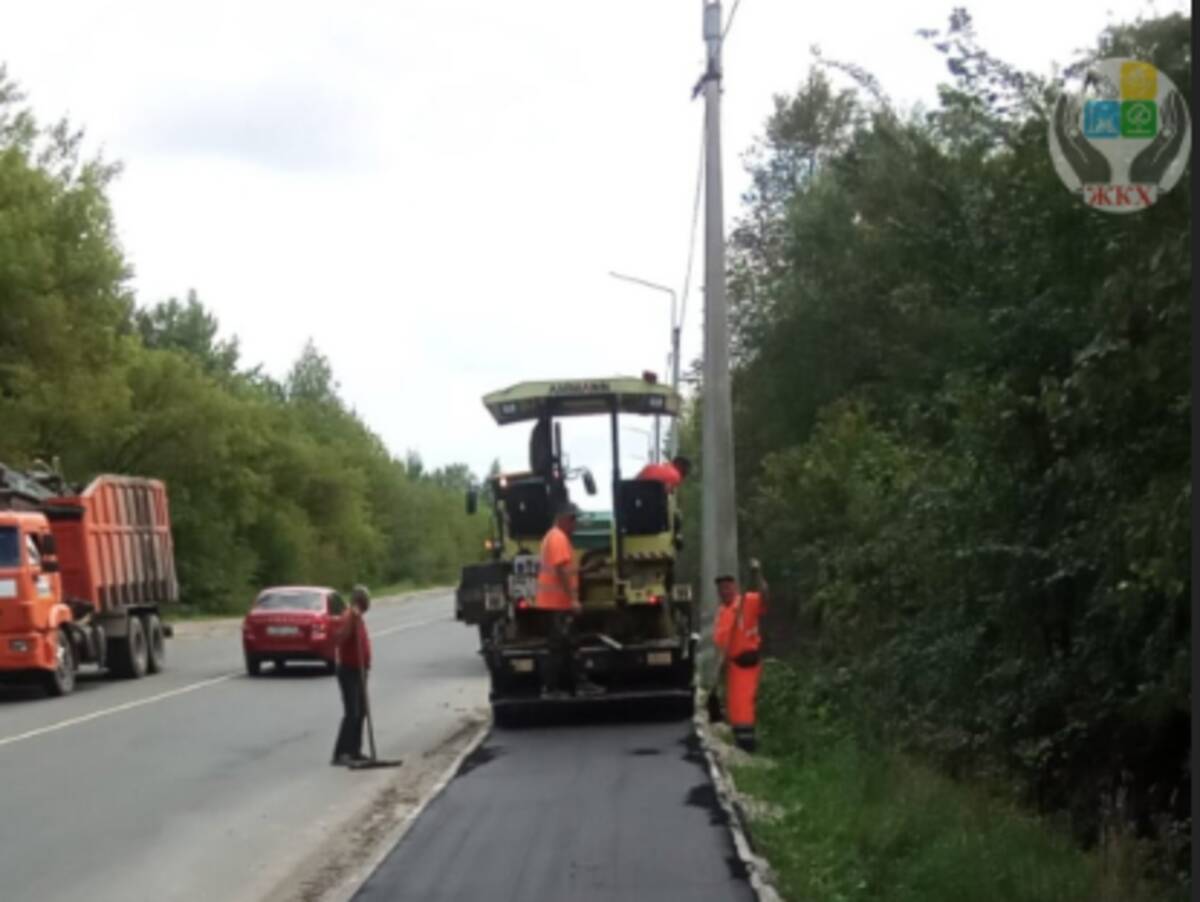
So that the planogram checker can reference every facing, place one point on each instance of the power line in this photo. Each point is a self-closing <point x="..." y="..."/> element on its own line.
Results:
<point x="687" y="277"/>
<point x="729" y="22"/>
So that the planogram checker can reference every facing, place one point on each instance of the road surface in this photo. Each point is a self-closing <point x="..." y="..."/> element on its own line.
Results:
<point x="617" y="812"/>
<point x="202" y="783"/>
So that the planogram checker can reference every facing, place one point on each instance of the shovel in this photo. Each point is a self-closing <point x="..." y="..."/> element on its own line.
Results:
<point x="374" y="760"/>
<point x="712" y="704"/>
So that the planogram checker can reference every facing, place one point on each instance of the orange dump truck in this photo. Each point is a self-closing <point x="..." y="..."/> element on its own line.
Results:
<point x="83" y="578"/>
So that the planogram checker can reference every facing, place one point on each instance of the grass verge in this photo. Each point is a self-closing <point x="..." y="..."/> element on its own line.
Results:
<point x="839" y="819"/>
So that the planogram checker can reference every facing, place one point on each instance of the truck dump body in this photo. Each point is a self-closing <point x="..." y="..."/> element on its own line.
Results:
<point x="114" y="543"/>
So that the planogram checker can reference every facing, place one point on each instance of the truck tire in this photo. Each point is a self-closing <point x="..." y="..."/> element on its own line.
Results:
<point x="156" y="645"/>
<point x="129" y="654"/>
<point x="61" y="680"/>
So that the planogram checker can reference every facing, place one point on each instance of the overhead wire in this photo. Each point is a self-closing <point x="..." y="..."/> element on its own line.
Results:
<point x="729" y="22"/>
<point x="691" y="258"/>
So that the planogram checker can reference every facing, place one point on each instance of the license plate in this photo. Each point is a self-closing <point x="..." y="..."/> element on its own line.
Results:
<point x="522" y="665"/>
<point x="659" y="659"/>
<point x="283" y="631"/>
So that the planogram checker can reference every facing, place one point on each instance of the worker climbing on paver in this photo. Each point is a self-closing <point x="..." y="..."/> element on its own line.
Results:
<point x="671" y="474"/>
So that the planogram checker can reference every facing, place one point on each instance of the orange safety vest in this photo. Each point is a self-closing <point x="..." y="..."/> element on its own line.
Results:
<point x="556" y="552"/>
<point x="736" y="632"/>
<point x="736" y="629"/>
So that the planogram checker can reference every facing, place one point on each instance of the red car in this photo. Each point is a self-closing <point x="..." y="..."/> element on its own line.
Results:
<point x="291" y="623"/>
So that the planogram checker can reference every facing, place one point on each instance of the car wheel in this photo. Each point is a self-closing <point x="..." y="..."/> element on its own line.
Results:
<point x="280" y="664"/>
<point x="253" y="664"/>
<point x="330" y="667"/>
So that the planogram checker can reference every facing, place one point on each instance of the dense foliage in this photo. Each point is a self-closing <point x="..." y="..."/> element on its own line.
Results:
<point x="962" y="409"/>
<point x="269" y="482"/>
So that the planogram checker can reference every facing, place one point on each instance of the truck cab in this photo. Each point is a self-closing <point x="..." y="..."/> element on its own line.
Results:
<point x="31" y="605"/>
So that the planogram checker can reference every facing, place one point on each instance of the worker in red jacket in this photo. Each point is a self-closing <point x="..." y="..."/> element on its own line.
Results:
<point x="353" y="662"/>
<point x="670" y="474"/>
<point x="739" y="643"/>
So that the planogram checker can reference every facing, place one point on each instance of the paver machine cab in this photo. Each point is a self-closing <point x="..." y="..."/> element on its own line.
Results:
<point x="636" y="636"/>
<point x="481" y="599"/>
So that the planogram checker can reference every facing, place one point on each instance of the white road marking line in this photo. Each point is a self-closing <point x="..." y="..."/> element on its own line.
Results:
<point x="104" y="712"/>
<point x="410" y="625"/>
<point x="162" y="696"/>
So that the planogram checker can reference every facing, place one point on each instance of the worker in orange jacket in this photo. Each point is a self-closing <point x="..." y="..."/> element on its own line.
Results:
<point x="558" y="596"/>
<point x="739" y="643"/>
<point x="670" y="474"/>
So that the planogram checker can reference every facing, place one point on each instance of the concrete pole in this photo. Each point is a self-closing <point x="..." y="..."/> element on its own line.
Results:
<point x="718" y="526"/>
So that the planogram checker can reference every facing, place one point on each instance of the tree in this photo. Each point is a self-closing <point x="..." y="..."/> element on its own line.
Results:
<point x="961" y="405"/>
<point x="191" y="329"/>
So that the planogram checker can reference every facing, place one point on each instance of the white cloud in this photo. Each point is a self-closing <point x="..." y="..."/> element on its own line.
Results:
<point x="435" y="190"/>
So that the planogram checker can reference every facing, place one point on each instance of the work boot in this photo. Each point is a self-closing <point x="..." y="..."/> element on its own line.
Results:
<point x="745" y="740"/>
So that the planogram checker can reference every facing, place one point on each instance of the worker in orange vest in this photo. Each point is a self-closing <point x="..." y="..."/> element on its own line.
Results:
<point x="558" y="594"/>
<point x="670" y="474"/>
<point x="736" y="635"/>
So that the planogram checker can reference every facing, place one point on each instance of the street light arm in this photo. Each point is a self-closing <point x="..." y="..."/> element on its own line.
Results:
<point x="648" y="284"/>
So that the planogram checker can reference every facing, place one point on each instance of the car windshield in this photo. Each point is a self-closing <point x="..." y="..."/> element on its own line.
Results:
<point x="290" y="601"/>
<point x="10" y="547"/>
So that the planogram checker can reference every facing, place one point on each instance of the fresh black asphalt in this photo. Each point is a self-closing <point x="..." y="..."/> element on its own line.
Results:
<point x="582" y="812"/>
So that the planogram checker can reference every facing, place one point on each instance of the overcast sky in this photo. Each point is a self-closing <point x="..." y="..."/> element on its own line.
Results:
<point x="436" y="190"/>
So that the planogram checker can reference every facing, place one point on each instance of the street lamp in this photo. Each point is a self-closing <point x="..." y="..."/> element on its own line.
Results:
<point x="674" y="357"/>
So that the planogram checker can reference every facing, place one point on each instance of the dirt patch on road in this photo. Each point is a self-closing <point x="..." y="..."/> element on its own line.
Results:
<point x="338" y="867"/>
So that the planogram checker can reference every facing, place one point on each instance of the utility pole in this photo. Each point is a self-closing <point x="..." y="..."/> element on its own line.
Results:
<point x="718" y="526"/>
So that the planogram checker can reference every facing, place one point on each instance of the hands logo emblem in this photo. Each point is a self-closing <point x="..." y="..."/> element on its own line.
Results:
<point x="1123" y="141"/>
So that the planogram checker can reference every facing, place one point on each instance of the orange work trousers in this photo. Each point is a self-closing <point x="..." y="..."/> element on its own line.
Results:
<point x="741" y="687"/>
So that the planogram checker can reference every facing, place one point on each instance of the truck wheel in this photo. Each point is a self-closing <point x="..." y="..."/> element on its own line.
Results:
<point x="156" y="645"/>
<point x="129" y="654"/>
<point x="61" y="680"/>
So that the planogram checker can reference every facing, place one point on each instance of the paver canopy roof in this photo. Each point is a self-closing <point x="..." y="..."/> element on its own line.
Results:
<point x="581" y="397"/>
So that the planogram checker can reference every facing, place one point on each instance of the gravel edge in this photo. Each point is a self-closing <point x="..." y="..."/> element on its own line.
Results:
<point x="757" y="869"/>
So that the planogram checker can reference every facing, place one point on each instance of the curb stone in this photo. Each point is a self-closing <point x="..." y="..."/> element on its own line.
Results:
<point x="757" y="870"/>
